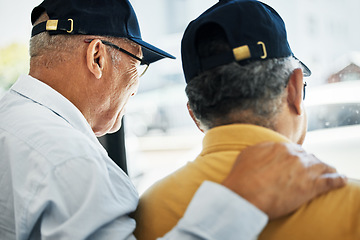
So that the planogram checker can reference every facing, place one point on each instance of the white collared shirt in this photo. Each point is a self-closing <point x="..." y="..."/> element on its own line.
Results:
<point x="57" y="181"/>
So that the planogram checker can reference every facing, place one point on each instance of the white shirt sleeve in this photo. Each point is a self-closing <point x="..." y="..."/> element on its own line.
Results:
<point x="216" y="212"/>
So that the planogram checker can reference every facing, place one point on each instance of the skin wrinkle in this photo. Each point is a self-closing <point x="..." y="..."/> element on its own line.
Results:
<point x="101" y="97"/>
<point x="120" y="91"/>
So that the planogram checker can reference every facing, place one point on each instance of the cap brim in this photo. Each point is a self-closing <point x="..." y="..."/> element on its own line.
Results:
<point x="151" y="53"/>
<point x="306" y="70"/>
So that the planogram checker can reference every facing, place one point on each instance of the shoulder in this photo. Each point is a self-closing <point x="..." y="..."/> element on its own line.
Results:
<point x="333" y="215"/>
<point x="348" y="193"/>
<point x="343" y="203"/>
<point x="31" y="128"/>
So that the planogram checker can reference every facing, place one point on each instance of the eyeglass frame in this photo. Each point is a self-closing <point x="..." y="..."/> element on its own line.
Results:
<point x="110" y="44"/>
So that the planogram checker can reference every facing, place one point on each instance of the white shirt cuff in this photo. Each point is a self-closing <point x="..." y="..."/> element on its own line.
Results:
<point x="216" y="212"/>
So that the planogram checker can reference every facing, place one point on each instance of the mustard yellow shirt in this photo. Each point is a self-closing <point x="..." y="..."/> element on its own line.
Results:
<point x="335" y="215"/>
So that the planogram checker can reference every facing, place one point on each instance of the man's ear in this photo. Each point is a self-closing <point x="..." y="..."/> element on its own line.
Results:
<point x="295" y="91"/>
<point x="192" y="115"/>
<point x="95" y="58"/>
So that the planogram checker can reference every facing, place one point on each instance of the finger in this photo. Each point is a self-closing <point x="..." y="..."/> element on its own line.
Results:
<point x="317" y="165"/>
<point x="329" y="182"/>
<point x="329" y="169"/>
<point x="321" y="167"/>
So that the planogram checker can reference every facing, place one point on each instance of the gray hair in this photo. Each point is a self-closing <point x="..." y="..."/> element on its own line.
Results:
<point x="236" y="93"/>
<point x="60" y="47"/>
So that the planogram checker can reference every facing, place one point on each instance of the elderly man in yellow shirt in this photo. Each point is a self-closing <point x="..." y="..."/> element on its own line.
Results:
<point x="244" y="86"/>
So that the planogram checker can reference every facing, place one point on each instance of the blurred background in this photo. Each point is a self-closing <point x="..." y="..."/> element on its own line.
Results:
<point x="160" y="136"/>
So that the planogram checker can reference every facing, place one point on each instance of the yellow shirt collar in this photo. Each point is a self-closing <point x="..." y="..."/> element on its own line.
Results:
<point x="238" y="136"/>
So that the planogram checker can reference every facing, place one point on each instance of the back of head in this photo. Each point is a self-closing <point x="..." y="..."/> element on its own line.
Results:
<point x="237" y="62"/>
<point x="237" y="92"/>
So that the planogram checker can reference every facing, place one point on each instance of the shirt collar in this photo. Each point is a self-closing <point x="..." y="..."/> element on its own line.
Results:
<point x="238" y="136"/>
<point x="46" y="96"/>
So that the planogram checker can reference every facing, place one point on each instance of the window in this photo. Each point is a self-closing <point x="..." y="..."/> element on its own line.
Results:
<point x="333" y="116"/>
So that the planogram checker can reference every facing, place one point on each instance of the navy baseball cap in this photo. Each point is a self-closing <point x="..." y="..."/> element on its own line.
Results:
<point x="113" y="18"/>
<point x="253" y="29"/>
